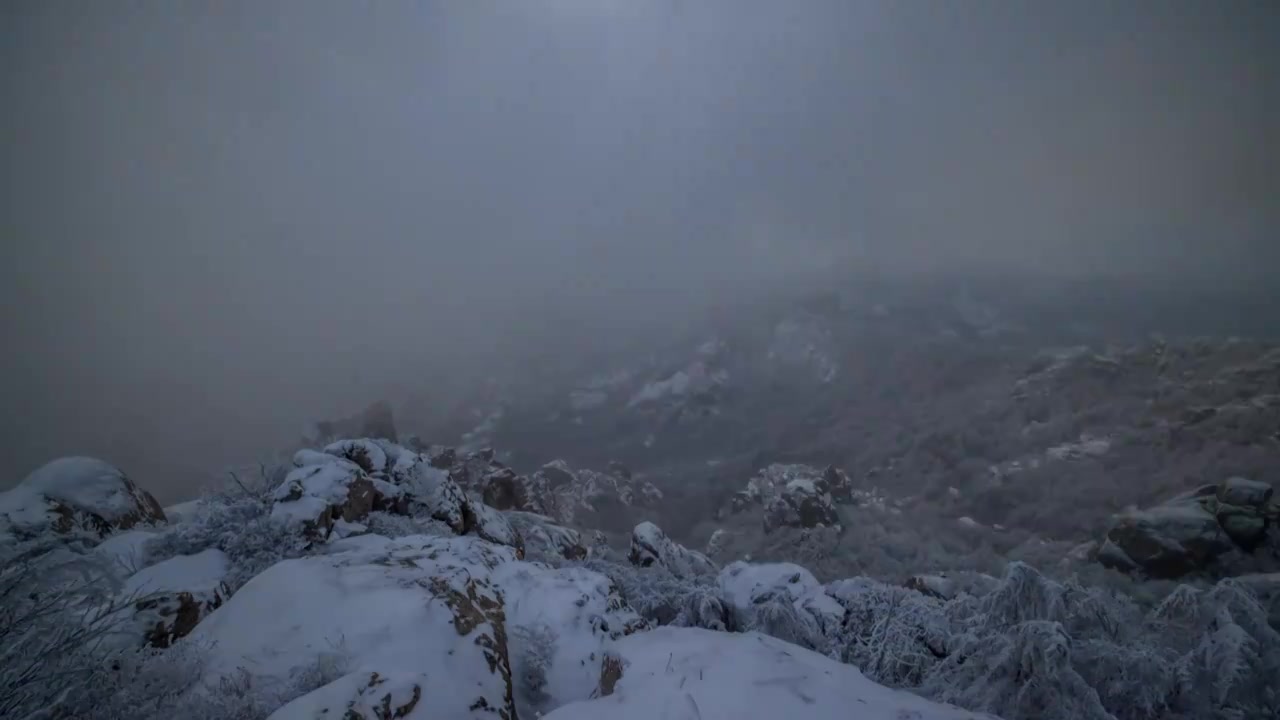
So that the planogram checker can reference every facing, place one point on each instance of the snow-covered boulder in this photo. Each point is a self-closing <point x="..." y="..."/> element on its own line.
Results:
<point x="746" y="586"/>
<point x="173" y="596"/>
<point x="650" y="546"/>
<point x="454" y="624"/>
<point x="1166" y="541"/>
<point x="368" y="454"/>
<point x="76" y="494"/>
<point x="690" y="673"/>
<point x="315" y="496"/>
<point x="432" y="489"/>
<point x="1187" y="533"/>
<point x="424" y="611"/>
<point x="366" y="696"/>
<point x="489" y="524"/>
<point x="544" y="539"/>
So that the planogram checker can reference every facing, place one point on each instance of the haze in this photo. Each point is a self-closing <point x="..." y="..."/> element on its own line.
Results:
<point x="224" y="220"/>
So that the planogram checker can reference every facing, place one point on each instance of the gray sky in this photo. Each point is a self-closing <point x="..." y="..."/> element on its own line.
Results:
<point x="222" y="219"/>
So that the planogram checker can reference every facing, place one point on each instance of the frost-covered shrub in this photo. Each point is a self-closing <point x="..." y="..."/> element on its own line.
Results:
<point x="662" y="598"/>
<point x="892" y="634"/>
<point x="776" y="614"/>
<point x="1024" y="672"/>
<point x="394" y="526"/>
<point x="532" y="650"/>
<point x="236" y="520"/>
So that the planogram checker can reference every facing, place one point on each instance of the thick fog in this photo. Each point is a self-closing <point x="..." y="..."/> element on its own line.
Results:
<point x="224" y="220"/>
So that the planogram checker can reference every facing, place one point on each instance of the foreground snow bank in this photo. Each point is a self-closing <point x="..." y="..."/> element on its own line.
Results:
<point x="687" y="673"/>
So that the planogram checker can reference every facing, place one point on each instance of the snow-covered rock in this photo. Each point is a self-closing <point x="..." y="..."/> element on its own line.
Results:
<point x="455" y="624"/>
<point x="745" y="586"/>
<point x="426" y="607"/>
<point x="76" y="494"/>
<point x="695" y="674"/>
<point x="1166" y="541"/>
<point x="366" y="696"/>
<point x="315" y="496"/>
<point x="650" y="546"/>
<point x="543" y="538"/>
<point x="368" y="454"/>
<point x="560" y="623"/>
<point x="173" y="596"/>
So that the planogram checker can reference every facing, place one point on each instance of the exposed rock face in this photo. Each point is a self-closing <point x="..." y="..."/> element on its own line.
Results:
<point x="1186" y="534"/>
<point x="176" y="594"/>
<point x="650" y="546"/>
<point x="77" y="494"/>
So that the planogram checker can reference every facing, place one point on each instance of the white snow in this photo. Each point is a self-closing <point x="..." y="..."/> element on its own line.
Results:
<point x="366" y="695"/>
<point x="742" y="584"/>
<point x="185" y="573"/>
<point x="366" y="449"/>
<point x="126" y="550"/>
<point x="694" y="674"/>
<point x="583" y="613"/>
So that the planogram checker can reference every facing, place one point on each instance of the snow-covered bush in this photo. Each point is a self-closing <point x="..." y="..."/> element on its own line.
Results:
<point x="394" y="526"/>
<point x="236" y="520"/>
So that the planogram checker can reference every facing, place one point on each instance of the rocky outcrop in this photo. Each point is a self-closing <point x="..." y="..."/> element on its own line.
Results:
<point x="651" y="547"/>
<point x="1188" y="533"/>
<point x="76" y="495"/>
<point x="794" y="495"/>
<point x="801" y="504"/>
<point x="352" y="478"/>
<point x="317" y="494"/>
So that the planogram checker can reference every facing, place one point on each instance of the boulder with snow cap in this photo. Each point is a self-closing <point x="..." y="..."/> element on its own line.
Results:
<point x="369" y="455"/>
<point x="1166" y="541"/>
<point x="315" y="496"/>
<point x="77" y="494"/>
<point x="174" y="595"/>
<point x="425" y="610"/>
<point x="544" y="539"/>
<point x="650" y="546"/>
